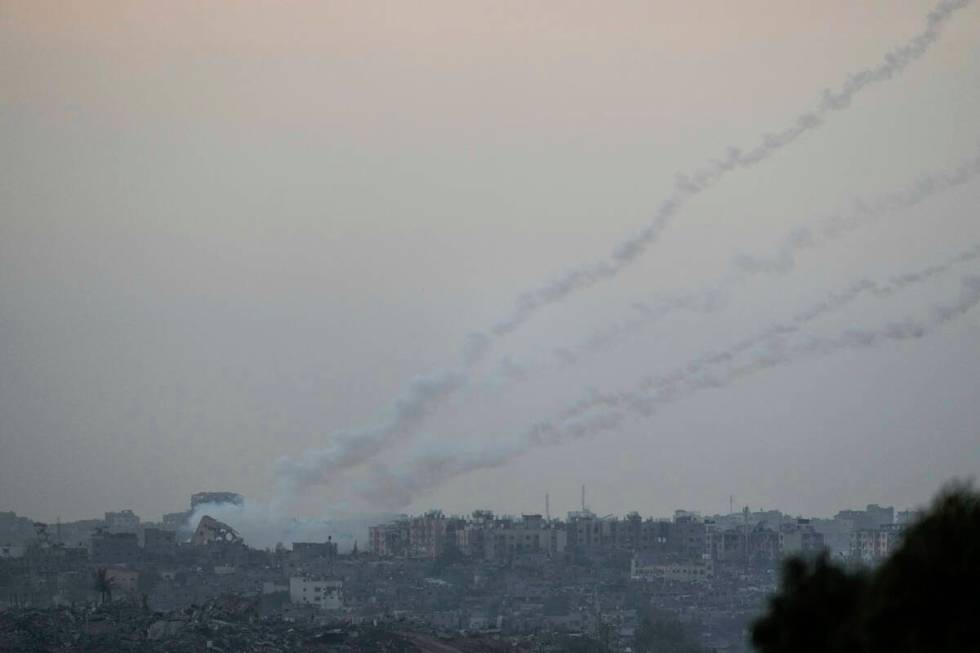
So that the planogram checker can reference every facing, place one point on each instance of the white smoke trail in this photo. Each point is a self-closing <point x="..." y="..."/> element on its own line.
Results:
<point x="424" y="393"/>
<point x="670" y="384"/>
<point x="781" y="261"/>
<point x="776" y="353"/>
<point x="686" y="186"/>
<point x="348" y="448"/>
<point x="435" y="463"/>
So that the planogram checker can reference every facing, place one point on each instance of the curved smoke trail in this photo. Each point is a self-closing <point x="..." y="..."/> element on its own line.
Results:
<point x="435" y="463"/>
<point x="348" y="448"/>
<point x="781" y="261"/>
<point x="425" y="392"/>
<point x="672" y="385"/>
<point x="687" y="186"/>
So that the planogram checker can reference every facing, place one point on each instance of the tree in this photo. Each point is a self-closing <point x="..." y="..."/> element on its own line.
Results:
<point x="922" y="598"/>
<point x="816" y="609"/>
<point x="103" y="584"/>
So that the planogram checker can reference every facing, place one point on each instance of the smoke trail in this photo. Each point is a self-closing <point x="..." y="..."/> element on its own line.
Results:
<point x="783" y="259"/>
<point x="686" y="186"/>
<point x="351" y="447"/>
<point x="669" y="385"/>
<point x="435" y="463"/>
<point x="424" y="393"/>
<point x="772" y="351"/>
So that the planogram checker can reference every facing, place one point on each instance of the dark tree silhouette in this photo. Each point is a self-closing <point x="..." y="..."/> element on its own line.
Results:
<point x="817" y="609"/>
<point x="923" y="598"/>
<point x="926" y="596"/>
<point x="103" y="584"/>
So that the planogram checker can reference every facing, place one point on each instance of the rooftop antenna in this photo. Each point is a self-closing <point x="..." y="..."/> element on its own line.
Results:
<point x="547" y="507"/>
<point x="583" y="497"/>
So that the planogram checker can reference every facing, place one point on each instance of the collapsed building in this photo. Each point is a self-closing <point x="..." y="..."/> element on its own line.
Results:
<point x="211" y="531"/>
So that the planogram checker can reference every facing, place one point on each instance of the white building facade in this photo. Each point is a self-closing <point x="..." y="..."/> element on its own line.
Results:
<point x="320" y="592"/>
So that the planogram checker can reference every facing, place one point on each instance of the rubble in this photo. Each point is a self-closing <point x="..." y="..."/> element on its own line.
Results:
<point x="211" y="530"/>
<point x="227" y="624"/>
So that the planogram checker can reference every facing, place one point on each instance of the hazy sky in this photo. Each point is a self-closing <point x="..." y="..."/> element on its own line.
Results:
<point x="228" y="230"/>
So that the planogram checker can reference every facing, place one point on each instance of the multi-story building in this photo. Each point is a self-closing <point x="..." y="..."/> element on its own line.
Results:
<point x="124" y="521"/>
<point x="907" y="517"/>
<point x="427" y="535"/>
<point x="727" y="544"/>
<point x="326" y="594"/>
<point x="646" y="566"/>
<point x="764" y="544"/>
<point x="800" y="538"/>
<point x="836" y="535"/>
<point x="310" y="551"/>
<point x="114" y="547"/>
<point x="583" y="532"/>
<point x="389" y="540"/>
<point x="870" y="545"/>
<point x="177" y="521"/>
<point x="159" y="542"/>
<point x="687" y="536"/>
<point x="502" y="538"/>
<point x="873" y="516"/>
<point x="655" y="534"/>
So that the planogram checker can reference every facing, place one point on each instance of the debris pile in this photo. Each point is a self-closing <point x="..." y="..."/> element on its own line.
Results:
<point x="211" y="530"/>
<point x="229" y="623"/>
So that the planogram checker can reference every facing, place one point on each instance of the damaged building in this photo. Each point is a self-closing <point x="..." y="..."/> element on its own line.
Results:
<point x="211" y="531"/>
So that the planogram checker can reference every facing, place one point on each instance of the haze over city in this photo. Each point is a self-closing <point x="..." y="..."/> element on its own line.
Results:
<point x="363" y="257"/>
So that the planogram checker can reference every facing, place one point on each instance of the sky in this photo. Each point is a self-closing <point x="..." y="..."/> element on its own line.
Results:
<point x="229" y="231"/>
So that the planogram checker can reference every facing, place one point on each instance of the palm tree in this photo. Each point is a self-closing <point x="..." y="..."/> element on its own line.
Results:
<point x="103" y="584"/>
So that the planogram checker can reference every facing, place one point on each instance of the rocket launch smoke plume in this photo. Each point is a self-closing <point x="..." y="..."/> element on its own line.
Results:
<point x="673" y="383"/>
<point x="781" y="261"/>
<point x="435" y="463"/>
<point x="351" y="447"/>
<point x="425" y="392"/>
<point x="687" y="186"/>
